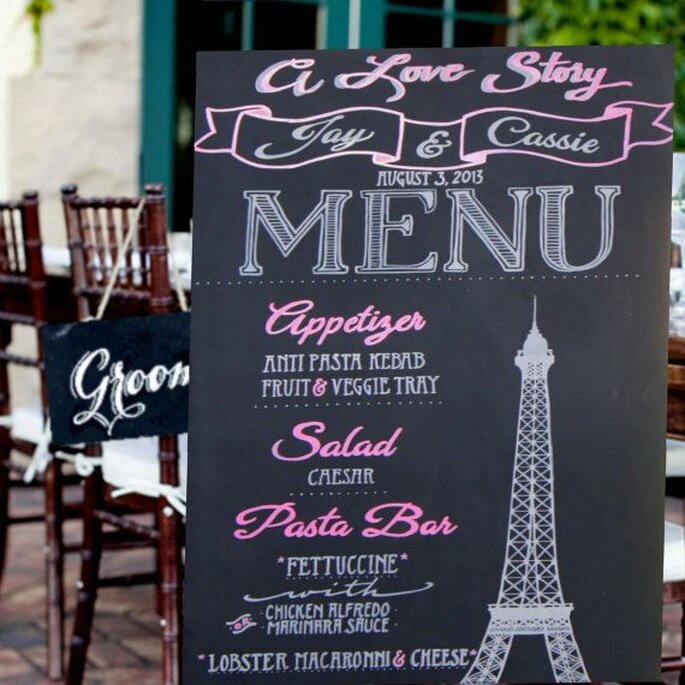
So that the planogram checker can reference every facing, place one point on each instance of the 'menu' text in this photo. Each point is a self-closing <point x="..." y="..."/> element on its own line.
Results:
<point x="468" y="221"/>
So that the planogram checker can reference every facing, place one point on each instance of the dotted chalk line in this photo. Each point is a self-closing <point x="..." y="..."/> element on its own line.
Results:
<point x="318" y="405"/>
<point x="345" y="578"/>
<point x="339" y="493"/>
<point x="419" y="279"/>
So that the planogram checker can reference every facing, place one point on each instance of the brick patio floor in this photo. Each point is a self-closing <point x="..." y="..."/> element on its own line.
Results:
<point x="126" y="644"/>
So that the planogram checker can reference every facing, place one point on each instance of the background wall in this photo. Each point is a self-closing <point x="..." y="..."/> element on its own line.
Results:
<point x="75" y="117"/>
<point x="16" y="42"/>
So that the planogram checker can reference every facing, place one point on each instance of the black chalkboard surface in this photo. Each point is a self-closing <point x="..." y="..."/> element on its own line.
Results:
<point x="118" y="378"/>
<point x="428" y="349"/>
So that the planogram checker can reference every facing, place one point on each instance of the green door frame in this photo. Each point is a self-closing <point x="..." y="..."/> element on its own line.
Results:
<point x="371" y="22"/>
<point x="336" y="24"/>
<point x="158" y="110"/>
<point x="343" y="24"/>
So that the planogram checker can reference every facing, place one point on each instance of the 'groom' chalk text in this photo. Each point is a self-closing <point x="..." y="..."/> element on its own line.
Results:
<point x="94" y="379"/>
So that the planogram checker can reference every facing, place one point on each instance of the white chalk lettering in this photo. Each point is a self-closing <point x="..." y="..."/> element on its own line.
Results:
<point x="85" y="383"/>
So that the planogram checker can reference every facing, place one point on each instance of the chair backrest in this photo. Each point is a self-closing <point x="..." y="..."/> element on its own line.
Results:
<point x="22" y="283"/>
<point x="22" y="273"/>
<point x="104" y="238"/>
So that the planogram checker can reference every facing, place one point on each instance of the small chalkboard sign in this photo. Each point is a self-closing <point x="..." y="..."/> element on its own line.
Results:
<point x="118" y="378"/>
<point x="429" y="352"/>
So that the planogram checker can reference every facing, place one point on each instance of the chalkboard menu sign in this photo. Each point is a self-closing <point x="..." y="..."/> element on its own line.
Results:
<point x="428" y="348"/>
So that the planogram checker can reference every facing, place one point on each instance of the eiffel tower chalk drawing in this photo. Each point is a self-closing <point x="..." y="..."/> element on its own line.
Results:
<point x="530" y="600"/>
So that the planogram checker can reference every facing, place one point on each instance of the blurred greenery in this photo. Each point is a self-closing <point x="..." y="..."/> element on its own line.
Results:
<point x="35" y="9"/>
<point x="611" y="22"/>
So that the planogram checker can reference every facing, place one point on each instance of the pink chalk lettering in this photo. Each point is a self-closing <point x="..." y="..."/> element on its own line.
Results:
<point x="275" y="515"/>
<point x="527" y="64"/>
<point x="402" y="520"/>
<point x="257" y="520"/>
<point x="299" y="87"/>
<point x="350" y="446"/>
<point x="448" y="73"/>
<point x="292" y="318"/>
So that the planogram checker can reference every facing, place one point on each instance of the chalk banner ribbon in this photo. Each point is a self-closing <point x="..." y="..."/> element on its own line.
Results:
<point x="254" y="136"/>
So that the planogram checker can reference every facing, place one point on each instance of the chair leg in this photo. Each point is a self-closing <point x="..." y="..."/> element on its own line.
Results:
<point x="91" y="553"/>
<point x="4" y="508"/>
<point x="681" y="675"/>
<point x="170" y="584"/>
<point x="54" y="561"/>
<point x="5" y="448"/>
<point x="158" y="571"/>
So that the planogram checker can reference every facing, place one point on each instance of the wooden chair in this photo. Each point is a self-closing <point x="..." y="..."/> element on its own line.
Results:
<point x="24" y="301"/>
<point x="674" y="587"/>
<point x="98" y="229"/>
<point x="674" y="532"/>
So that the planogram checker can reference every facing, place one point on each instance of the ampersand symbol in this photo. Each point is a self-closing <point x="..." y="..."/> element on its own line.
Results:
<point x="319" y="387"/>
<point x="399" y="659"/>
<point x="434" y="144"/>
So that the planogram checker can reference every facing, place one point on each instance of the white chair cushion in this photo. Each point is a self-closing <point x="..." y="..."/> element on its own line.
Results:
<point x="27" y="422"/>
<point x="675" y="458"/>
<point x="134" y="462"/>
<point x="674" y="552"/>
<point x="57" y="260"/>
